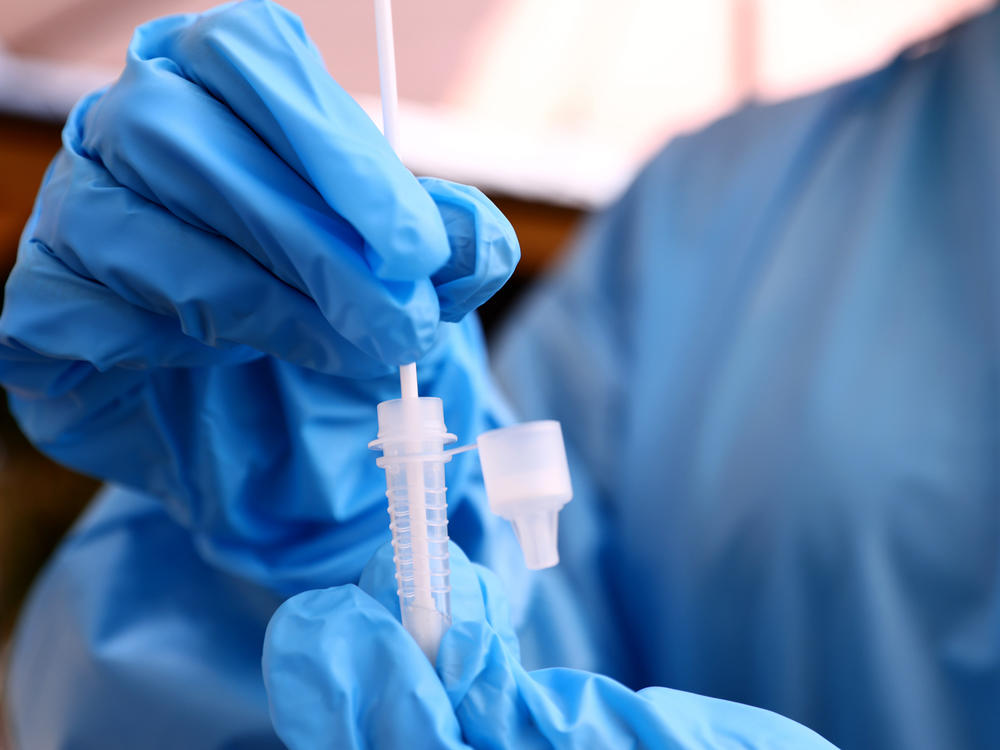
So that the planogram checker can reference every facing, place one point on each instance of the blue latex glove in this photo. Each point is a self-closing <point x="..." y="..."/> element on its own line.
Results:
<point x="224" y="238"/>
<point x="341" y="671"/>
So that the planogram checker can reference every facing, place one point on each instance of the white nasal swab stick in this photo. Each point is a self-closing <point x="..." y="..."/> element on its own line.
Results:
<point x="390" y="118"/>
<point x="422" y="620"/>
<point x="387" y="71"/>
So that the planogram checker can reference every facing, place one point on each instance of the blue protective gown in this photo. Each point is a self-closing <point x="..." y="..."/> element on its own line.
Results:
<point x="775" y="362"/>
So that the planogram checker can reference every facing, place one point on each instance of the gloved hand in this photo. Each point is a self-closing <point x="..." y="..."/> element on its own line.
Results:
<point x="224" y="238"/>
<point x="341" y="671"/>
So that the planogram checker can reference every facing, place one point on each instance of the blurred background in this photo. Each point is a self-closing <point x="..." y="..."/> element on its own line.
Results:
<point x="550" y="106"/>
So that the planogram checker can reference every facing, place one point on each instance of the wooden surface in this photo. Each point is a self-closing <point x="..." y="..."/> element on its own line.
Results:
<point x="26" y="148"/>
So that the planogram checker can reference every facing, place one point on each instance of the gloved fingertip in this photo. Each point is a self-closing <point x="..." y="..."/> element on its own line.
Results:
<point x="378" y="579"/>
<point x="497" y="608"/>
<point x="463" y="656"/>
<point x="312" y="609"/>
<point x="319" y="626"/>
<point x="74" y="130"/>
<point x="416" y="248"/>
<point x="483" y="248"/>
<point x="405" y="329"/>
<point x="393" y="323"/>
<point x="466" y="595"/>
<point x="257" y="20"/>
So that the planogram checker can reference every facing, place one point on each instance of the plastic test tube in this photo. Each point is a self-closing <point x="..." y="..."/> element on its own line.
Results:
<point x="414" y="474"/>
<point x="412" y="435"/>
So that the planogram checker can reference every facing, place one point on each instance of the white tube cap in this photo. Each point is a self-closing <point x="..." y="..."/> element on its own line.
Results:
<point x="527" y="482"/>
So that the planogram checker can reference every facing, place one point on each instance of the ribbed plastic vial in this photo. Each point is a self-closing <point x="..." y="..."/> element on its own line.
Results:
<point x="412" y="436"/>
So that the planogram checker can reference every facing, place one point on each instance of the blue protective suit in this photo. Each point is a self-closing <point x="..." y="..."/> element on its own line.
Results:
<point x="775" y="361"/>
<point x="777" y="364"/>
